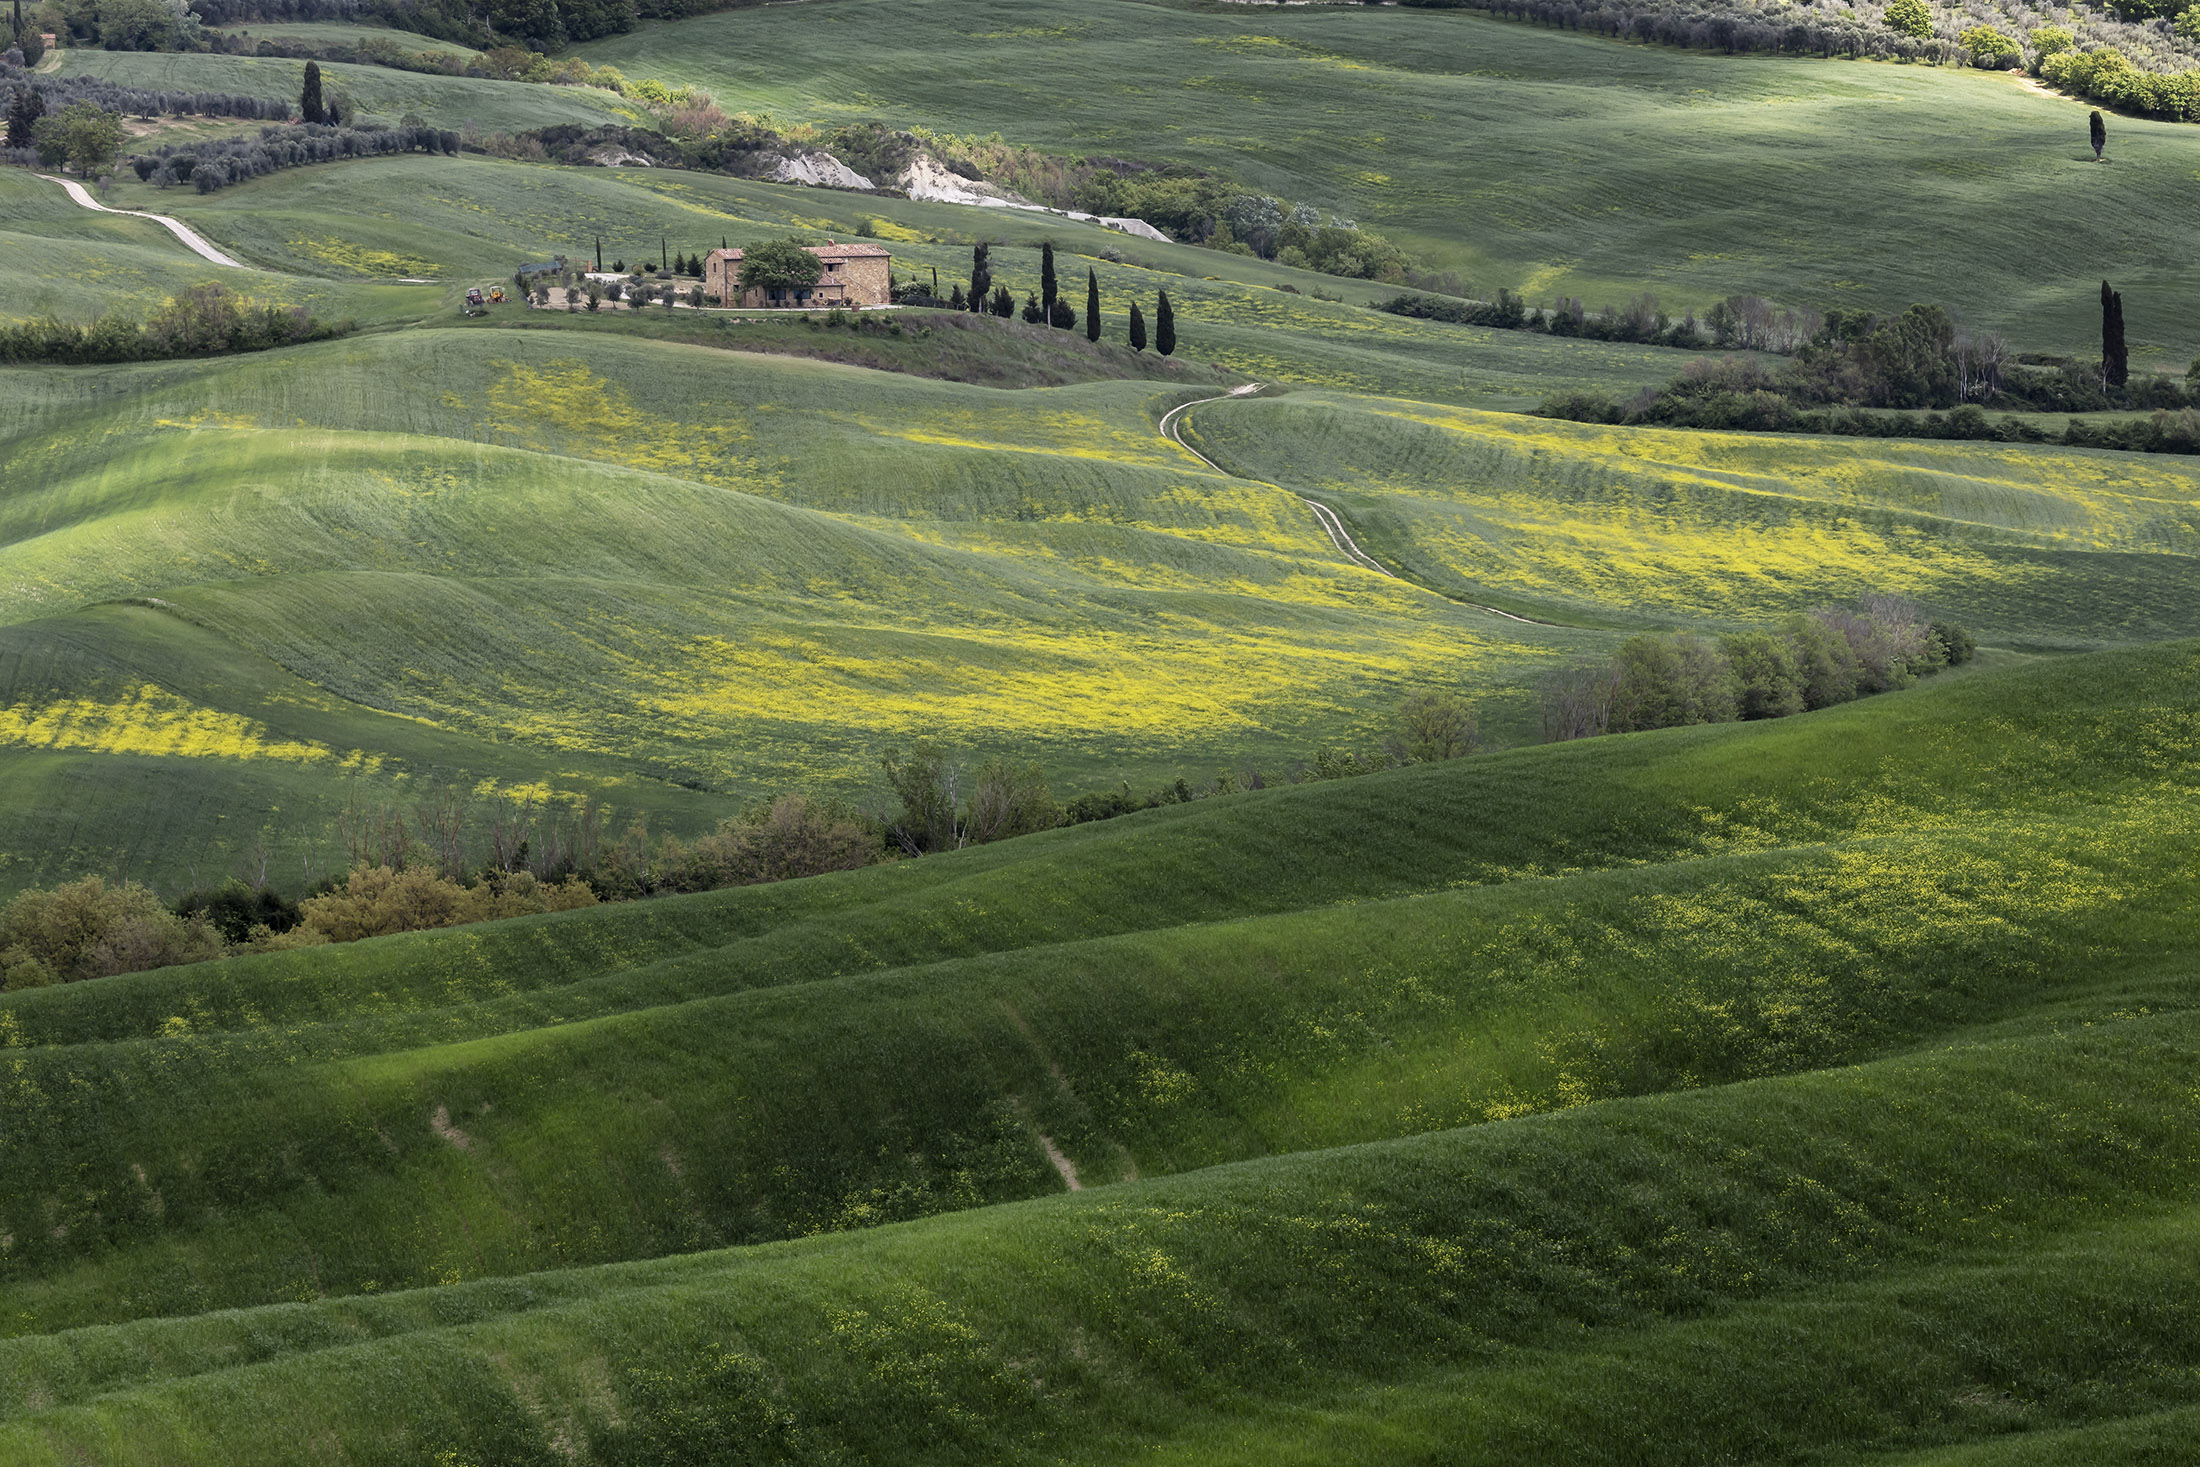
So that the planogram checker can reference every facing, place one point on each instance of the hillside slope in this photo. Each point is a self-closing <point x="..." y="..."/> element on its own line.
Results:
<point x="1243" y="978"/>
<point x="1551" y="162"/>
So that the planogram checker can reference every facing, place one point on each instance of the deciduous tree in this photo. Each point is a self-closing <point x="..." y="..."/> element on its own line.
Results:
<point x="1436" y="726"/>
<point x="1909" y="17"/>
<point x="779" y="264"/>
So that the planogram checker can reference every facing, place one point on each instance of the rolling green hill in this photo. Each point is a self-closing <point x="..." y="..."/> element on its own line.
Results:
<point x="2037" y="547"/>
<point x="1549" y="162"/>
<point x="1802" y="1092"/>
<point x="1988" y="946"/>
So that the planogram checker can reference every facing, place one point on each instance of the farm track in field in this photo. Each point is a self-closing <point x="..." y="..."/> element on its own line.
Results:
<point x="1331" y="522"/>
<point x="192" y="239"/>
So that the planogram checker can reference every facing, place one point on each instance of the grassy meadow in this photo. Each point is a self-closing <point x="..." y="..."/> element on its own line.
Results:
<point x="1612" y="1091"/>
<point x="1550" y="162"/>
<point x="2034" y="546"/>
<point x="1808" y="1091"/>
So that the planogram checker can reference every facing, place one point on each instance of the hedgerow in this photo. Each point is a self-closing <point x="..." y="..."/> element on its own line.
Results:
<point x="59" y="91"/>
<point x="218" y="163"/>
<point x="1832" y="655"/>
<point x="207" y="320"/>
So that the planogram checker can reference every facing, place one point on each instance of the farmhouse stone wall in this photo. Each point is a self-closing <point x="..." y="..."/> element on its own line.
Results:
<point x="855" y="275"/>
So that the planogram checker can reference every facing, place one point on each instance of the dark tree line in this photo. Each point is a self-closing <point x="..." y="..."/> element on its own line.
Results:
<point x="216" y="164"/>
<point x="1733" y="29"/>
<point x="57" y="92"/>
<point x="1854" y="361"/>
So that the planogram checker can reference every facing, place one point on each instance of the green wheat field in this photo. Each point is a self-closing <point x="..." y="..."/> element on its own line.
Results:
<point x="1817" y="1090"/>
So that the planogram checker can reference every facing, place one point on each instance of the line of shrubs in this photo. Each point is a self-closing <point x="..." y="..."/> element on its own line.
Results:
<point x="1815" y="660"/>
<point x="206" y="320"/>
<point x="1641" y="320"/>
<point x="220" y="162"/>
<point x="56" y="92"/>
<point x="448" y="860"/>
<point x="1731" y="27"/>
<point x="1739" y="395"/>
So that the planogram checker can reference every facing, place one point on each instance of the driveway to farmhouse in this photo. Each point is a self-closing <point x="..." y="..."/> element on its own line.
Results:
<point x="191" y="238"/>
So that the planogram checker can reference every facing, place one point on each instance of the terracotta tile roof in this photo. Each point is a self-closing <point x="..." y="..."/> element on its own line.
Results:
<point x="825" y="252"/>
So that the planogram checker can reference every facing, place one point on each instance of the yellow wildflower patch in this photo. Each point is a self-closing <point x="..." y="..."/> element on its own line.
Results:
<point x="147" y="720"/>
<point x="347" y="254"/>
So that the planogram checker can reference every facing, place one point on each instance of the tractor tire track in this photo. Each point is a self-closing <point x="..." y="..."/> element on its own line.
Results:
<point x="1331" y="522"/>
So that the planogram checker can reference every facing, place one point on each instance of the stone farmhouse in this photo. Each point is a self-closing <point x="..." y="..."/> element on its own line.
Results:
<point x="855" y="275"/>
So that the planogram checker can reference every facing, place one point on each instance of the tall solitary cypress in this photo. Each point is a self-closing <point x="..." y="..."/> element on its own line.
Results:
<point x="309" y="99"/>
<point x="1092" y="306"/>
<point x="1164" y="326"/>
<point x="2115" y="359"/>
<point x="23" y="116"/>
<point x="2099" y="133"/>
<point x="981" y="275"/>
<point x="1138" y="328"/>
<point x="1049" y="287"/>
<point x="599" y="254"/>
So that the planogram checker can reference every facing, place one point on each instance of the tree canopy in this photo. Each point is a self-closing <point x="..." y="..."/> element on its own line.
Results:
<point x="82" y="135"/>
<point x="779" y="264"/>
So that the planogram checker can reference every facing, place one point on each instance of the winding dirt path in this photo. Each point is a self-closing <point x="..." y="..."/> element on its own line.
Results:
<point x="192" y="239"/>
<point x="1331" y="522"/>
<point x="1325" y="516"/>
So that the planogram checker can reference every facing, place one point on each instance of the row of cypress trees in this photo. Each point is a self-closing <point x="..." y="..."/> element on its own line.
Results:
<point x="1054" y="310"/>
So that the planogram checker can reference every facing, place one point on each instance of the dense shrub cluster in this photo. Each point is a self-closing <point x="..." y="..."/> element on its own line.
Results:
<point x="1829" y="656"/>
<point x="219" y="162"/>
<point x="206" y="320"/>
<point x="2108" y="76"/>
<point x="1856" y="361"/>
<point x="89" y="929"/>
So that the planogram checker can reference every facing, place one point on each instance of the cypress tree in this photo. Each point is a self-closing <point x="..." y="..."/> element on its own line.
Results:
<point x="1164" y="326"/>
<point x="1004" y="304"/>
<point x="23" y="116"/>
<point x="599" y="254"/>
<point x="1092" y="306"/>
<point x="981" y="275"/>
<point x="309" y="99"/>
<point x="1049" y="288"/>
<point x="2099" y="132"/>
<point x="33" y="45"/>
<point x="1138" y="328"/>
<point x="2115" y="358"/>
